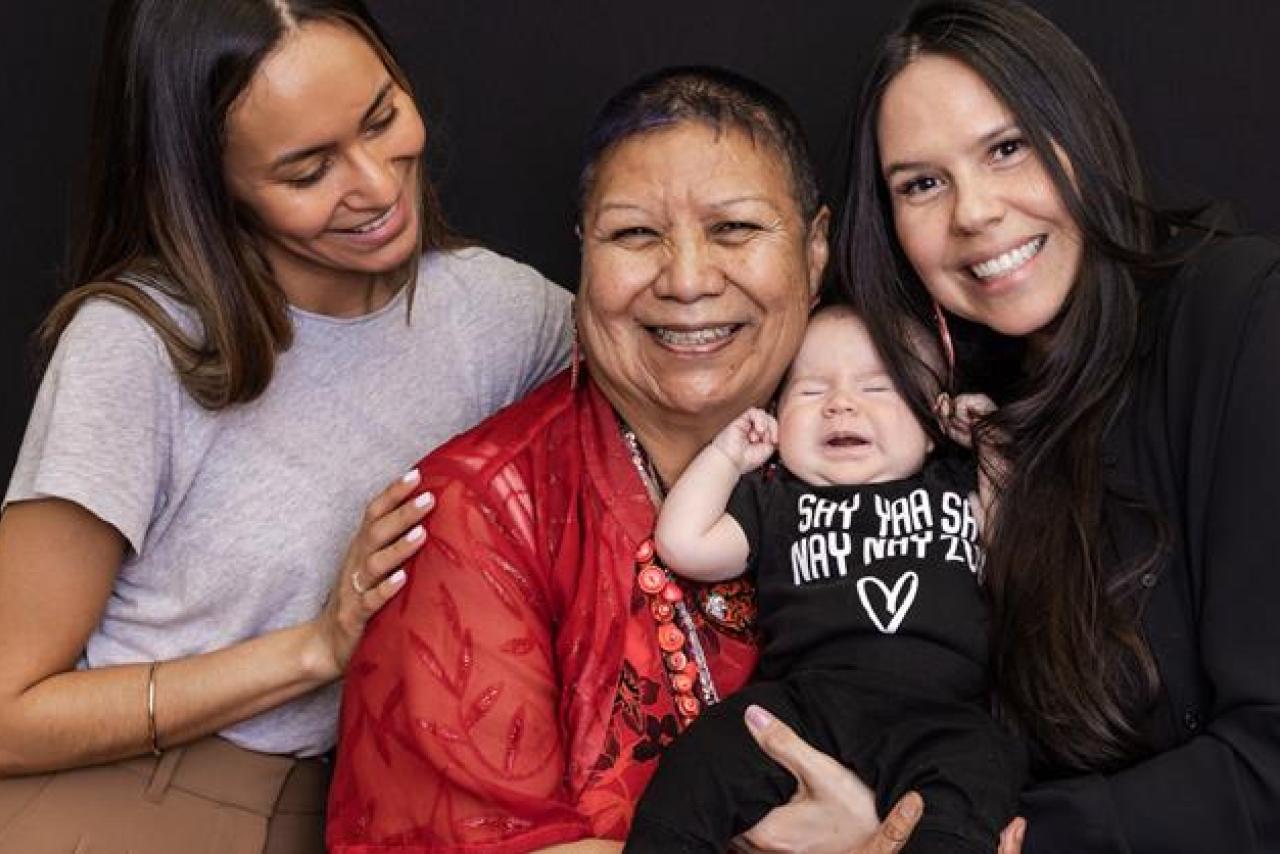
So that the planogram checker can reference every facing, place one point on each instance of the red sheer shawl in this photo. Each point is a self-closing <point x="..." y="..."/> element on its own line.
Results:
<point x="512" y="695"/>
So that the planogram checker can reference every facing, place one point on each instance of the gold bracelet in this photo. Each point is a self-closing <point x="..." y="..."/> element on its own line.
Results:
<point x="151" y="708"/>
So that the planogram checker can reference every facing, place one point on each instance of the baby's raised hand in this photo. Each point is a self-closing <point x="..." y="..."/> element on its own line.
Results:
<point x="959" y="416"/>
<point x="749" y="440"/>
<point x="960" y="413"/>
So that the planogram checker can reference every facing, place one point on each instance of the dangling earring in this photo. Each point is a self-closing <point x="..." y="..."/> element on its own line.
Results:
<point x="575" y="353"/>
<point x="575" y="360"/>
<point x="948" y="348"/>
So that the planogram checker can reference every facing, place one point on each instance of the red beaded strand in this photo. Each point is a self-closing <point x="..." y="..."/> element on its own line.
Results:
<point x="664" y="594"/>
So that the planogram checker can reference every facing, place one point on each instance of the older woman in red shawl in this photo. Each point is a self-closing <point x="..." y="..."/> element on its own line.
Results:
<point x="517" y="693"/>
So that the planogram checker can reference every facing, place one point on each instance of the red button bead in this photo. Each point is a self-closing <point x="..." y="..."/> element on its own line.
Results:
<point x="644" y="553"/>
<point x="670" y="638"/>
<point x="688" y="706"/>
<point x="651" y="579"/>
<point x="662" y="611"/>
<point x="682" y="682"/>
<point x="677" y="661"/>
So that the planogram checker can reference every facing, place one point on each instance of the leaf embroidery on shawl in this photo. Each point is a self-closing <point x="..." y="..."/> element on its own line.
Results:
<point x="515" y="735"/>
<point x="428" y="659"/>
<point x="481" y="706"/>
<point x="519" y="646"/>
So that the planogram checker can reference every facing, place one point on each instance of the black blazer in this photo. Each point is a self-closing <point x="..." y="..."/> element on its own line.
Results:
<point x="1199" y="439"/>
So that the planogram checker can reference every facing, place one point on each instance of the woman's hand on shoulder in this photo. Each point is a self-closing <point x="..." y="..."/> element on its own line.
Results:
<point x="390" y="533"/>
<point x="832" y="811"/>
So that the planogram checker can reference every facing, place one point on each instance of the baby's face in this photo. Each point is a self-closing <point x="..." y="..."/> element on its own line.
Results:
<point x="840" y="417"/>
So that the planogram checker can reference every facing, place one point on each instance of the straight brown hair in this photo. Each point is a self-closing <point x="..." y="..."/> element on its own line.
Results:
<point x="158" y="212"/>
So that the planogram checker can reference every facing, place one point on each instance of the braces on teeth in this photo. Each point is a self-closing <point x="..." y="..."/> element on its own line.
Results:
<point x="697" y="336"/>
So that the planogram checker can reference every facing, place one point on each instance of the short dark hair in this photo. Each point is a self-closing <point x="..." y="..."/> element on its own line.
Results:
<point x="715" y="96"/>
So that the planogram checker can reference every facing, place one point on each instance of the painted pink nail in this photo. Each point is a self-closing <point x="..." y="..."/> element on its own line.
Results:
<point x="758" y="718"/>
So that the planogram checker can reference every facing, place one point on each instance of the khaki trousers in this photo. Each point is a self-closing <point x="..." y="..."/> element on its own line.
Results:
<point x="207" y="797"/>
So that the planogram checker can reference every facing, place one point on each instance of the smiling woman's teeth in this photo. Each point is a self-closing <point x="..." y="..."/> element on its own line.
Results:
<point x="692" y="337"/>
<point x="1009" y="261"/>
<point x="375" y="224"/>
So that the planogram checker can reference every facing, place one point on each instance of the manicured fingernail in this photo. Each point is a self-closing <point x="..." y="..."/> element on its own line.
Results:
<point x="1020" y="833"/>
<point x="758" y="718"/>
<point x="397" y="578"/>
<point x="415" y="533"/>
<point x="411" y="476"/>
<point x="424" y="501"/>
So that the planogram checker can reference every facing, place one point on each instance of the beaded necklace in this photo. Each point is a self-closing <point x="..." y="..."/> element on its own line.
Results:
<point x="688" y="674"/>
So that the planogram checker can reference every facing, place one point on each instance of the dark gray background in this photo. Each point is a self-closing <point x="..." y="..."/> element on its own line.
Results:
<point x="509" y="86"/>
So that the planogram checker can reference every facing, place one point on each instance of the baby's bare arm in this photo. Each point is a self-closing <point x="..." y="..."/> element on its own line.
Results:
<point x="695" y="537"/>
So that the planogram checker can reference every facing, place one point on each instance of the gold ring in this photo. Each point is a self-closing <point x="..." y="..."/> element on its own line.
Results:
<point x="355" y="583"/>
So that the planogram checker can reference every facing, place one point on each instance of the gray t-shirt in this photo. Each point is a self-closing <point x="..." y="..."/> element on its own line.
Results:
<point x="238" y="520"/>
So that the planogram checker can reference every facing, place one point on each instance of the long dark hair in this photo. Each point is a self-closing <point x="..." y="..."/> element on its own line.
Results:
<point x="157" y="206"/>
<point x="1071" y="666"/>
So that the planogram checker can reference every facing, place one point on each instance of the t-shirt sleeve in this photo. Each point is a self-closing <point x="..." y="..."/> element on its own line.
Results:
<point x="529" y="329"/>
<point x="100" y="430"/>
<point x="747" y="509"/>
<point x="451" y="739"/>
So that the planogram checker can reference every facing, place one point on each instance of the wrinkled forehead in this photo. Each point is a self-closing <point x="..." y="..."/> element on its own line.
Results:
<point x="760" y="147"/>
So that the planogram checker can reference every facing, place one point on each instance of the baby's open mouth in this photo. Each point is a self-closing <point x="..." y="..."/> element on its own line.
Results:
<point x="844" y="440"/>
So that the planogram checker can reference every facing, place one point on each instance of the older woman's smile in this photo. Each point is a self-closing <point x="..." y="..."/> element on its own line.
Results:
<point x="700" y="339"/>
<point x="697" y="273"/>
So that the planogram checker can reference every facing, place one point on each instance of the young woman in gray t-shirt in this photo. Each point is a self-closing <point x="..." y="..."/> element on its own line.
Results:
<point x="271" y="320"/>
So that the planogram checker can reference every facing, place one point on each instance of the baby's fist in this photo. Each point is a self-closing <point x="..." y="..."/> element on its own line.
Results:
<point x="749" y="440"/>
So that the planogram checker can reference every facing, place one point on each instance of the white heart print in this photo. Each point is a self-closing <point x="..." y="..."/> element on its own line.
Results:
<point x="897" y="601"/>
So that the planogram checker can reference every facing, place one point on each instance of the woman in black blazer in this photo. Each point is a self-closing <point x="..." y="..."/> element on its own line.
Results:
<point x="1134" y="561"/>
